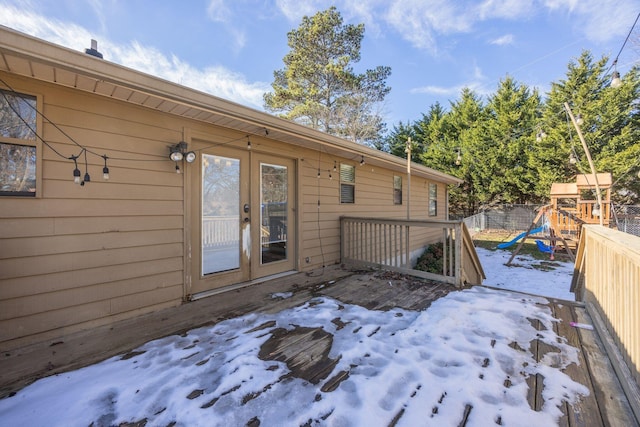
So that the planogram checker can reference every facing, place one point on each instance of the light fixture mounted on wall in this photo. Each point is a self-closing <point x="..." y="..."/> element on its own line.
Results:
<point x="179" y="152"/>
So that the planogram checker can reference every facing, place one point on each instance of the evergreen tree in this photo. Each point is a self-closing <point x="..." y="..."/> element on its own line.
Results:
<point x="396" y="141"/>
<point x="556" y="139"/>
<point x="502" y="147"/>
<point x="465" y="119"/>
<point x="318" y="86"/>
<point x="434" y="139"/>
<point x="610" y="126"/>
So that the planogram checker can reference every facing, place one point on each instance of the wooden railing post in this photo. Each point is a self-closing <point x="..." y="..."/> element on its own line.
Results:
<point x="458" y="255"/>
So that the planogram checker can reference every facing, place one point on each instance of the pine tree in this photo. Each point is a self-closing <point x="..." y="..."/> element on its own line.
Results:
<point x="318" y="86"/>
<point x="465" y="119"/>
<point x="503" y="145"/>
<point x="610" y="126"/>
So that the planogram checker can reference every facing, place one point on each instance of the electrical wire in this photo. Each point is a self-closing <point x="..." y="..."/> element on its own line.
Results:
<point x="615" y="61"/>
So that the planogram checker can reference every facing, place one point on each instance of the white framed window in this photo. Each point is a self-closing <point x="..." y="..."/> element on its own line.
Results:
<point x="433" y="199"/>
<point x="347" y="183"/>
<point x="397" y="190"/>
<point x="19" y="145"/>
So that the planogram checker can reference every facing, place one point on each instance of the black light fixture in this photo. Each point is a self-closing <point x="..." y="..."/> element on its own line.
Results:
<point x="87" y="177"/>
<point x="105" y="169"/>
<point x="179" y="152"/>
<point x="362" y="161"/>
<point x="76" y="171"/>
<point x="459" y="158"/>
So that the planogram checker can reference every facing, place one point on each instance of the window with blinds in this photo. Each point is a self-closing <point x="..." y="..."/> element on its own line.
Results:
<point x="433" y="199"/>
<point x="347" y="183"/>
<point x="397" y="190"/>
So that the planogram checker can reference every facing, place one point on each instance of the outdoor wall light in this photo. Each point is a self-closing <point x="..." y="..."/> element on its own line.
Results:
<point x="459" y="158"/>
<point x="179" y="151"/>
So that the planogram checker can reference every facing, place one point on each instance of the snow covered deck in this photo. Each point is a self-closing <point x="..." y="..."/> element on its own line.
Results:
<point x="341" y="348"/>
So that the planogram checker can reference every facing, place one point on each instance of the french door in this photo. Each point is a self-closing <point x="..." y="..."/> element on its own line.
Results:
<point x="243" y="211"/>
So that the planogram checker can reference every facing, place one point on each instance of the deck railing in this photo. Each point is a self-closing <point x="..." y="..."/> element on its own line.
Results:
<point x="396" y="245"/>
<point x="607" y="279"/>
<point x="220" y="231"/>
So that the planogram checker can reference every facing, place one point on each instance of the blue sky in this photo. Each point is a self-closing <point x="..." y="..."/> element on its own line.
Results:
<point x="230" y="48"/>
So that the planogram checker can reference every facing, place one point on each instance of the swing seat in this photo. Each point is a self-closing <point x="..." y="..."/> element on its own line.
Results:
<point x="542" y="247"/>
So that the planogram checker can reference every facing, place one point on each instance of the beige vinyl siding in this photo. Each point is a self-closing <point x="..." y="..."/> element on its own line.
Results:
<point x="79" y="257"/>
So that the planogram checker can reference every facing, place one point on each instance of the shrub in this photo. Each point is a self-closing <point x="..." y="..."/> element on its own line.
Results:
<point x="431" y="259"/>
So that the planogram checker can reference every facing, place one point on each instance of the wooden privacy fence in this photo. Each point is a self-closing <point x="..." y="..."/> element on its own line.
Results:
<point x="607" y="279"/>
<point x="394" y="244"/>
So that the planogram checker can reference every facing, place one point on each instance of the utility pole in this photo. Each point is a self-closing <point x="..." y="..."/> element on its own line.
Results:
<point x="408" y="151"/>
<point x="593" y="169"/>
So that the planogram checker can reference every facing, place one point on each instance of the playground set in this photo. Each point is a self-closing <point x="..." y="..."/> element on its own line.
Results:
<point x="560" y="222"/>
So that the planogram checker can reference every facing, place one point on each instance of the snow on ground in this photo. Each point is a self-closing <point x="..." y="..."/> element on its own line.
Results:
<point x="424" y="366"/>
<point x="539" y="277"/>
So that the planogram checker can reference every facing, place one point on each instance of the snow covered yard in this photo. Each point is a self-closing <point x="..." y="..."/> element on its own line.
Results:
<point x="547" y="278"/>
<point x="474" y="357"/>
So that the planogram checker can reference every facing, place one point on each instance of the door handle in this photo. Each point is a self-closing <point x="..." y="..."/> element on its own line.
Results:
<point x="246" y="208"/>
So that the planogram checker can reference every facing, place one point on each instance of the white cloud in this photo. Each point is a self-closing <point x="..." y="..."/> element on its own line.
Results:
<point x="453" y="91"/>
<point x="423" y="23"/>
<point x="419" y="22"/>
<point x="215" y="80"/>
<point x="507" y="39"/>
<point x="294" y="10"/>
<point x="598" y="20"/>
<point x="505" y="9"/>
<point x="477" y="83"/>
<point x="218" y="11"/>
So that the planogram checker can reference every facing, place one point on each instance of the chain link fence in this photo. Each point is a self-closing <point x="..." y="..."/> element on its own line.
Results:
<point x="627" y="218"/>
<point x="514" y="218"/>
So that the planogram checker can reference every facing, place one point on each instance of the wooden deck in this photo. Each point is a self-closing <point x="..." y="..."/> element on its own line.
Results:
<point x="305" y="350"/>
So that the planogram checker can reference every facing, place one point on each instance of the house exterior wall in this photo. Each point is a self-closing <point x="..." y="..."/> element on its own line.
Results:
<point x="77" y="257"/>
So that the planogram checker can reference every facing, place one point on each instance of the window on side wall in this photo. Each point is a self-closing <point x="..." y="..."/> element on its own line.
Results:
<point x="18" y="144"/>
<point x="433" y="199"/>
<point x="347" y="183"/>
<point x="397" y="190"/>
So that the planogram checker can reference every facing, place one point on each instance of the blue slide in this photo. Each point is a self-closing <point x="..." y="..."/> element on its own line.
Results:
<point x="520" y="236"/>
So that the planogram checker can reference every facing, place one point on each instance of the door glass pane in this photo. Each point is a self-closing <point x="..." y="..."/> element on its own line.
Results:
<point x="220" y="214"/>
<point x="273" y="213"/>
